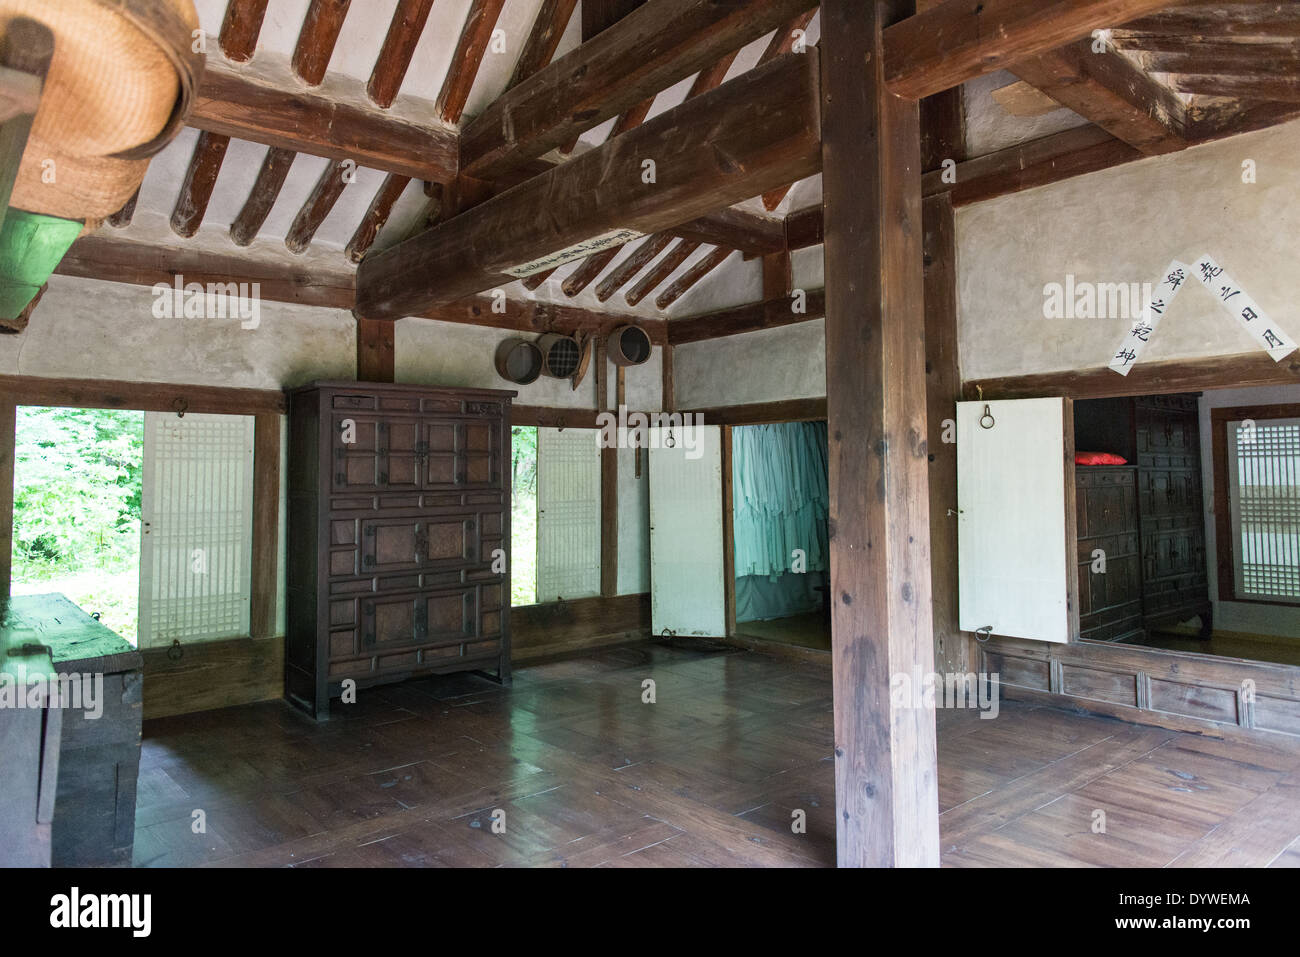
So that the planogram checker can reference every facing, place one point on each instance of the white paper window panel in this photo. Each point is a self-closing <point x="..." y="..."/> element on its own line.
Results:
<point x="1011" y="548"/>
<point x="686" y="562"/>
<point x="196" y="534"/>
<point x="568" y="514"/>
<point x="1264" y="495"/>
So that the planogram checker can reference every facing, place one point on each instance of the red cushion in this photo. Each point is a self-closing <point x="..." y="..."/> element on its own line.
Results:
<point x="1099" y="458"/>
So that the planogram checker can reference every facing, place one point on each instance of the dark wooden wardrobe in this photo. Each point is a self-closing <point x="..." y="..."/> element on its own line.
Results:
<point x="1147" y="517"/>
<point x="398" y="528"/>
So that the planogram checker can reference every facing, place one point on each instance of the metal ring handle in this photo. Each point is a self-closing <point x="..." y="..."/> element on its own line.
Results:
<point x="986" y="420"/>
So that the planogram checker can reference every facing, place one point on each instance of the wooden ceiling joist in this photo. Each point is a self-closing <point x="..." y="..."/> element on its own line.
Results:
<point x="1111" y="91"/>
<point x="540" y="317"/>
<point x="689" y="279"/>
<point x="586" y="273"/>
<point x="123" y="216"/>
<point x="543" y="40"/>
<point x="474" y="38"/>
<point x="376" y="216"/>
<point x="625" y="271"/>
<point x="1229" y="59"/>
<point x="240" y="28"/>
<point x="200" y="179"/>
<point x="311" y="56"/>
<point x="399" y="46"/>
<point x="647" y="51"/>
<point x="333" y="181"/>
<point x="958" y="40"/>
<point x="262" y="197"/>
<point x="1232" y="19"/>
<point x="1273" y="89"/>
<point x="536" y="280"/>
<point x="758" y="131"/>
<point x="317" y="38"/>
<point x="661" y="270"/>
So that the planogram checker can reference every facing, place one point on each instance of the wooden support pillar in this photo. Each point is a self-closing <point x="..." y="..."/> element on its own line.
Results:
<point x="375" y="354"/>
<point x="608" y="481"/>
<point x="886" y="780"/>
<point x="266" y="524"/>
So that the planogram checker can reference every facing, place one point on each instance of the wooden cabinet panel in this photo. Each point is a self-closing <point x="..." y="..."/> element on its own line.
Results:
<point x="404" y="510"/>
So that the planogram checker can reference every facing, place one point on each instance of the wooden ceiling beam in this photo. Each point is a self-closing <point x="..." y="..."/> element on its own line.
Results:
<point x="769" y="314"/>
<point x="586" y="274"/>
<point x="334" y="179"/>
<point x="540" y="317"/>
<point x="1179" y="25"/>
<point x="647" y="51"/>
<point x="1275" y="89"/>
<point x="261" y="198"/>
<point x="1110" y="91"/>
<point x="959" y="40"/>
<point x="1229" y="58"/>
<point x="758" y="131"/>
<point x="474" y="38"/>
<point x="317" y="38"/>
<point x="239" y="104"/>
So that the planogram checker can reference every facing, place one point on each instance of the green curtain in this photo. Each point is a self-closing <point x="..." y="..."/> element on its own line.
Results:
<point x="780" y="503"/>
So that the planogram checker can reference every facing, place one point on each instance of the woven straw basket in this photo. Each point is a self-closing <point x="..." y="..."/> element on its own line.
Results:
<point x="119" y="86"/>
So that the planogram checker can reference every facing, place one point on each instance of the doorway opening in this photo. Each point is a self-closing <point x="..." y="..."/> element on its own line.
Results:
<point x="780" y="503"/>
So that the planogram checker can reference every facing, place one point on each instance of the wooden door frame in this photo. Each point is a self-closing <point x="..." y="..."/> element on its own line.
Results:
<point x="1224" y="550"/>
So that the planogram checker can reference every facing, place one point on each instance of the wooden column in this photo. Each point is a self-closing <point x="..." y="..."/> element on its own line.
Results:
<point x="375" y="355"/>
<point x="886" y="789"/>
<point x="943" y="138"/>
<point x="266" y="524"/>
<point x="608" y="485"/>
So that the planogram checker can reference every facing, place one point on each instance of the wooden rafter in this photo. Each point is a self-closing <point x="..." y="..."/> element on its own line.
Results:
<point x="1273" y="89"/>
<point x="764" y="122"/>
<point x="586" y="273"/>
<point x="959" y="40"/>
<point x="317" y="38"/>
<point x="240" y="28"/>
<point x="333" y="181"/>
<point x="689" y="279"/>
<point x="399" y="46"/>
<point x="628" y="268"/>
<point x="1177" y="24"/>
<point x="543" y="40"/>
<point x="311" y="56"/>
<point x="536" y="279"/>
<point x="376" y="216"/>
<point x="661" y="270"/>
<point x="200" y="179"/>
<point x="647" y="51"/>
<point x="474" y="38"/>
<point x="1220" y="58"/>
<point x="123" y="216"/>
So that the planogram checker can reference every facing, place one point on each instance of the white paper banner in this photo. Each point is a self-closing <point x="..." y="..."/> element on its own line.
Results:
<point x="1244" y="309"/>
<point x="1162" y="296"/>
<point x="581" y="250"/>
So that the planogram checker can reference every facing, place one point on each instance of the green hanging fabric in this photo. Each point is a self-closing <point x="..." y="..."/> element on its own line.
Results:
<point x="780" y="503"/>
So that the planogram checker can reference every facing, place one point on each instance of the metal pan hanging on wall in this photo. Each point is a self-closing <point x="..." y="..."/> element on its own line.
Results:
<point x="629" y="346"/>
<point x="561" y="355"/>
<point x="519" y="361"/>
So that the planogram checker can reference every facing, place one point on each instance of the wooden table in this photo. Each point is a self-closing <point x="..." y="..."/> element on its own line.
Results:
<point x="98" y="757"/>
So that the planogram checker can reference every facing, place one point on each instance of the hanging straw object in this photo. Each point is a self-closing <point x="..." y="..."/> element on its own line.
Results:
<point x="121" y="82"/>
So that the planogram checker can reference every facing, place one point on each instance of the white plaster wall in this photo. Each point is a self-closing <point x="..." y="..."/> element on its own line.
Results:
<point x="429" y="352"/>
<point x="89" y="329"/>
<point x="1125" y="225"/>
<point x="767" y="366"/>
<point x="1244" y="617"/>
<point x="633" y="524"/>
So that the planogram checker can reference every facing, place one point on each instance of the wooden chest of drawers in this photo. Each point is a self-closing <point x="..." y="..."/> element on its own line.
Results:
<point x="398" y="532"/>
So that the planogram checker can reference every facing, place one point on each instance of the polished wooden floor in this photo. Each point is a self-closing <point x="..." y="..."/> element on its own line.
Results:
<point x="583" y="773"/>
